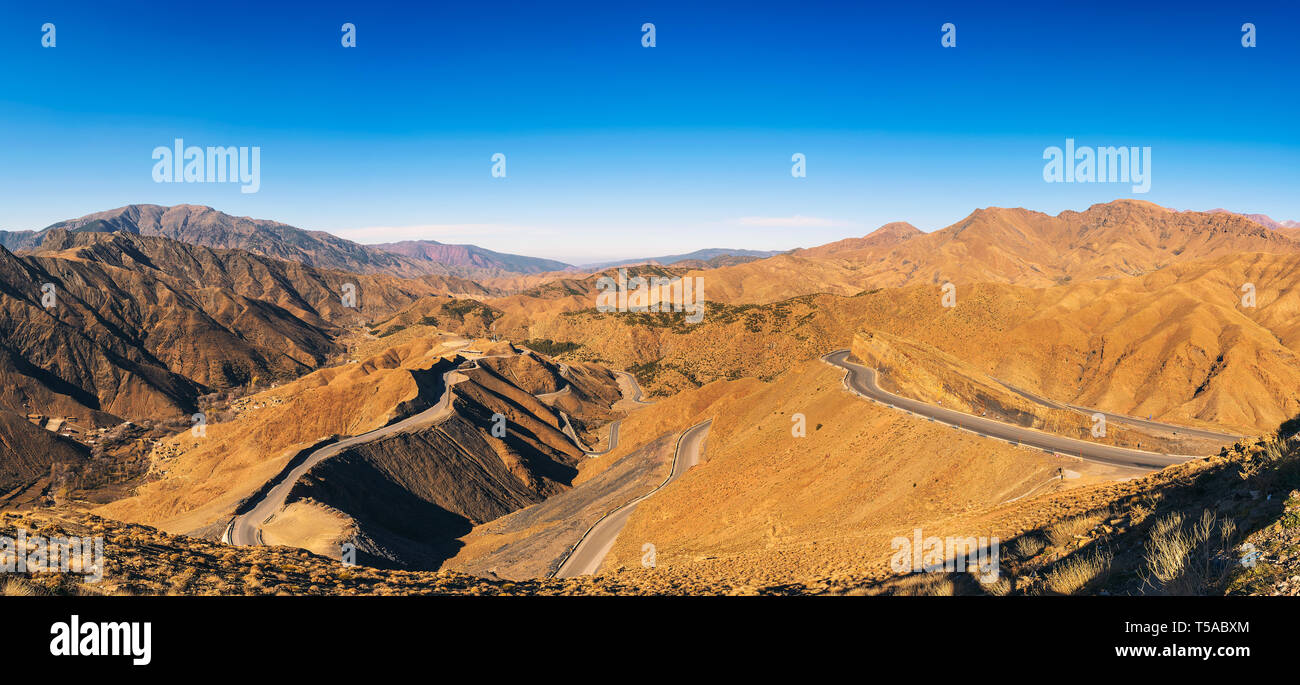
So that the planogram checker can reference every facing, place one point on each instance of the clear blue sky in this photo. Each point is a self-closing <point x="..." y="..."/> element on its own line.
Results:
<point x="615" y="150"/>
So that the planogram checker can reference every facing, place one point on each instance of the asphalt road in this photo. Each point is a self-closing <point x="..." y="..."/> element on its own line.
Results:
<point x="246" y="529"/>
<point x="586" y="557"/>
<point x="1125" y="419"/>
<point x="636" y="388"/>
<point x="568" y="431"/>
<point x="613" y="440"/>
<point x="613" y="427"/>
<point x="862" y="381"/>
<point x="547" y="396"/>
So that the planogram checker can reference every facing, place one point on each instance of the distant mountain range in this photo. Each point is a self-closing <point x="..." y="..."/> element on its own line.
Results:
<point x="708" y="255"/>
<point x="205" y="226"/>
<point x="208" y="227"/>
<point x="1004" y="245"/>
<point x="1261" y="219"/>
<point x="1291" y="229"/>
<point x="473" y="256"/>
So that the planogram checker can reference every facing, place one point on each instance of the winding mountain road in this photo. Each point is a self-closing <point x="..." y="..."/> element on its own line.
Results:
<point x="548" y="396"/>
<point x="613" y="440"/>
<point x="861" y="380"/>
<point x="1122" y="418"/>
<point x="586" y="557"/>
<point x="572" y="434"/>
<point x="635" y="388"/>
<point x="246" y="528"/>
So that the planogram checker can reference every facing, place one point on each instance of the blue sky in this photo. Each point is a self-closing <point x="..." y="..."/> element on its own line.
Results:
<point x="615" y="150"/>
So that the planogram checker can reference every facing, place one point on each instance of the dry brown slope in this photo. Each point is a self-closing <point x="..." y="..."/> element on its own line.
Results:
<point x="1175" y="343"/>
<point x="135" y="343"/>
<point x="919" y="371"/>
<point x="404" y="499"/>
<point x="27" y="451"/>
<point x="998" y="245"/>
<point x="308" y="292"/>
<point x="766" y="506"/>
<point x="215" y="471"/>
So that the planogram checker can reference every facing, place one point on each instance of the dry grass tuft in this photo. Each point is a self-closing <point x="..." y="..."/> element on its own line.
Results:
<point x="1076" y="573"/>
<point x="21" y="587"/>
<point x="919" y="585"/>
<point x="1195" y="559"/>
<point x="998" y="588"/>
<point x="1027" y="546"/>
<point x="1065" y="531"/>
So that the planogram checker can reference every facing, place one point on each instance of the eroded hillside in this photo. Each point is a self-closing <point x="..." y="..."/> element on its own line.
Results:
<point x="405" y="499"/>
<point x="1176" y="344"/>
<point x="202" y="478"/>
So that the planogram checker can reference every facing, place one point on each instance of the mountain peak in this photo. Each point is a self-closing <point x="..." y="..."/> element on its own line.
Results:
<point x="900" y="229"/>
<point x="1131" y="202"/>
<point x="208" y="227"/>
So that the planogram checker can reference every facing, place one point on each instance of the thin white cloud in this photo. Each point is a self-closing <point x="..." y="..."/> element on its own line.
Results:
<point x="796" y="221"/>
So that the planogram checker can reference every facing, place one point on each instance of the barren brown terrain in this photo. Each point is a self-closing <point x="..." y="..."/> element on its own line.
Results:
<point x="1000" y="245"/>
<point x="203" y="478"/>
<point x="1188" y="318"/>
<point x="1175" y="344"/>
